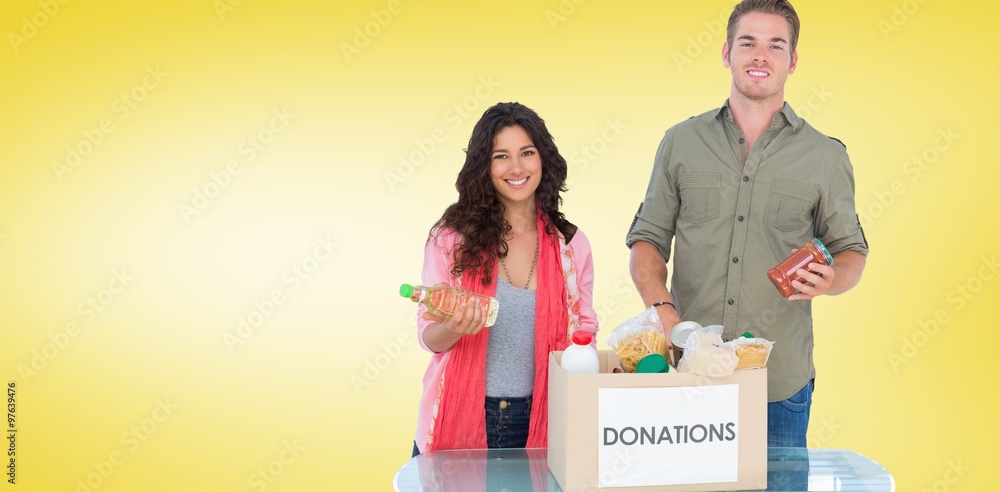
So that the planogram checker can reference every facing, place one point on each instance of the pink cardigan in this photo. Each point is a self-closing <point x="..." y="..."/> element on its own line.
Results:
<point x="438" y="260"/>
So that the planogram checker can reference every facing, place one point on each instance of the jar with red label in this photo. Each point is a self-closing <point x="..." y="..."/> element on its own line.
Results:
<point x="782" y="275"/>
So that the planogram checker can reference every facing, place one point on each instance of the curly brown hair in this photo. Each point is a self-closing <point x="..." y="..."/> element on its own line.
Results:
<point x="478" y="215"/>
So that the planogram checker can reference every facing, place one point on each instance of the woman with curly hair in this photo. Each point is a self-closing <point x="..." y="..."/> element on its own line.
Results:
<point x="504" y="237"/>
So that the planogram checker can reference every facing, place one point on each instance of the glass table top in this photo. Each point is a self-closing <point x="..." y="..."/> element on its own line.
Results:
<point x="516" y="470"/>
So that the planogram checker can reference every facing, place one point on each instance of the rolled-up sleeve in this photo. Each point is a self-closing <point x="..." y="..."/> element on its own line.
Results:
<point x="837" y="223"/>
<point x="655" y="220"/>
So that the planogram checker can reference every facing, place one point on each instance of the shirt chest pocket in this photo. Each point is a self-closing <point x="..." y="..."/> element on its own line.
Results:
<point x="791" y="204"/>
<point x="699" y="196"/>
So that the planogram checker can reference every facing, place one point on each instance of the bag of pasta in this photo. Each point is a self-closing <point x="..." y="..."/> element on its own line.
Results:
<point x="637" y="338"/>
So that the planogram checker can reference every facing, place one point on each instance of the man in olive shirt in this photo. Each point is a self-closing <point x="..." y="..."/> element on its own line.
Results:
<point x="737" y="189"/>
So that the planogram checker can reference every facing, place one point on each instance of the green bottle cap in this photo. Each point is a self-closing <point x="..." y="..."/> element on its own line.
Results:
<point x="406" y="290"/>
<point x="747" y="334"/>
<point x="652" y="363"/>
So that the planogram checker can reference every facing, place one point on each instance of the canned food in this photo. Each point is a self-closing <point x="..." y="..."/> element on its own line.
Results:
<point x="679" y="336"/>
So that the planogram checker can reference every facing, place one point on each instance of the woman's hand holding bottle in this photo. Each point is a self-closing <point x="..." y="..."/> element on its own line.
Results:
<point x="469" y="318"/>
<point x="457" y="313"/>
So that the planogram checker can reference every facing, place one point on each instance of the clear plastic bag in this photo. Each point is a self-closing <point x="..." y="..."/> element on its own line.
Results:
<point x="751" y="352"/>
<point x="638" y="337"/>
<point x="706" y="354"/>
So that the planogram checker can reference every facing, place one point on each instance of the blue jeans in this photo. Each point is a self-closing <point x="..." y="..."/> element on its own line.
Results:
<point x="505" y="427"/>
<point x="788" y="420"/>
<point x="507" y="421"/>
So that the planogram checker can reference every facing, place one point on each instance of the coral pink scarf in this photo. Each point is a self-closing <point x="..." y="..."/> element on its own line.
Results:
<point x="461" y="420"/>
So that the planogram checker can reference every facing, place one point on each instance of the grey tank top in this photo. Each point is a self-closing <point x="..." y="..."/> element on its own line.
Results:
<point x="510" y="351"/>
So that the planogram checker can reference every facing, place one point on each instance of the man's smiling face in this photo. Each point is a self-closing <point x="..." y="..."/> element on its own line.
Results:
<point x="760" y="57"/>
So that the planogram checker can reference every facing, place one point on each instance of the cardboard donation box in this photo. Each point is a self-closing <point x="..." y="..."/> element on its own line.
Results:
<point x="669" y="432"/>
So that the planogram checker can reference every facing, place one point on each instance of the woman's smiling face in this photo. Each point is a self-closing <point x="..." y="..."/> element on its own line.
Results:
<point x="515" y="166"/>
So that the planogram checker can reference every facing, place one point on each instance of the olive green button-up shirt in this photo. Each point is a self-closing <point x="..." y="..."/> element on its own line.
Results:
<point x="734" y="213"/>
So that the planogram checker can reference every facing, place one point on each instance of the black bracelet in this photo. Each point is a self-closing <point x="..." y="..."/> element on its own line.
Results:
<point x="662" y="303"/>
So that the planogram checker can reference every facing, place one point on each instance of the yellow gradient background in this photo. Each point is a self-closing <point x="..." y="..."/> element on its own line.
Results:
<point x="327" y="208"/>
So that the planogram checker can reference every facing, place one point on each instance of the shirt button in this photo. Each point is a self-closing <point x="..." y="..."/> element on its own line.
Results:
<point x="746" y="178"/>
<point x="736" y="260"/>
<point x="741" y="140"/>
<point x="740" y="218"/>
<point x="730" y="302"/>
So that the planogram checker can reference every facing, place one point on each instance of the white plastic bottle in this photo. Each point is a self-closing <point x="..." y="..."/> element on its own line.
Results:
<point x="580" y="357"/>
